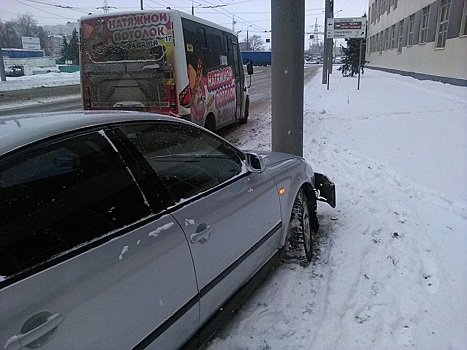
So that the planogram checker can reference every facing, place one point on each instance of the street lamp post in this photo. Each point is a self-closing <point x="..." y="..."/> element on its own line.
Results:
<point x="247" y="41"/>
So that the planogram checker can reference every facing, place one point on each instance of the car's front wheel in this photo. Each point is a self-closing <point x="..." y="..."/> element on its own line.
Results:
<point x="299" y="243"/>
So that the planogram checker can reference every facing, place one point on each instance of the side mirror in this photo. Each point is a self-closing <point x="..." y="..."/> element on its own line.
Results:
<point x="254" y="162"/>
<point x="249" y="67"/>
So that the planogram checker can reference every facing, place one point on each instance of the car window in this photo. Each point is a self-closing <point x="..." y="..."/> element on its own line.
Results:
<point x="60" y="195"/>
<point x="187" y="159"/>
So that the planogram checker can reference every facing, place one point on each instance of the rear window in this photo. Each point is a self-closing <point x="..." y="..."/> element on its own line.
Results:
<point x="59" y="195"/>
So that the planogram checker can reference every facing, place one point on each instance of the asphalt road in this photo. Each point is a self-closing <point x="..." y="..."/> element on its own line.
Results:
<point x="41" y="94"/>
<point x="260" y="90"/>
<point x="260" y="94"/>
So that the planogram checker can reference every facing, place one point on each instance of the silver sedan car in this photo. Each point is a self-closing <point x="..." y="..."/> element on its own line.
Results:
<point x="123" y="230"/>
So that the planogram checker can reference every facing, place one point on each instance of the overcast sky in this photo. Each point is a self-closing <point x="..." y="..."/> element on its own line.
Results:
<point x="253" y="15"/>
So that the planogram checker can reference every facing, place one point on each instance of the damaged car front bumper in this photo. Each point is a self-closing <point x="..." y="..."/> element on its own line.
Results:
<point x="325" y="189"/>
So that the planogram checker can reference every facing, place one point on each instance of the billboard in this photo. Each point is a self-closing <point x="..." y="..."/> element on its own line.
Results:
<point x="30" y="43"/>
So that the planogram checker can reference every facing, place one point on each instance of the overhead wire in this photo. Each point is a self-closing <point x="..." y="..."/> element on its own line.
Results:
<point x="255" y="25"/>
<point x="39" y="9"/>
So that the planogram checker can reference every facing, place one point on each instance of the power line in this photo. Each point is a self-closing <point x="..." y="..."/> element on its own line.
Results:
<point x="39" y="9"/>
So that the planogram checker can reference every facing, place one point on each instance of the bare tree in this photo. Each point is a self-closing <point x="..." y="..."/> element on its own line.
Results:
<point x="2" y="34"/>
<point x="44" y="40"/>
<point x="27" y="25"/>
<point x="255" y="43"/>
<point x="9" y="36"/>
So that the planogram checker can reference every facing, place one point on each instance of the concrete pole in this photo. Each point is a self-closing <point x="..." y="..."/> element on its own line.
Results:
<point x="288" y="33"/>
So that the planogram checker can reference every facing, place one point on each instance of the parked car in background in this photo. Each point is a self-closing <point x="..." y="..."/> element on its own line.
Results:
<point x="318" y="60"/>
<point x="337" y="60"/>
<point x="124" y="230"/>
<point x="14" y="71"/>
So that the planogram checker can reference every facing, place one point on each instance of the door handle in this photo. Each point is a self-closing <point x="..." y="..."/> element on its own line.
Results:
<point x="202" y="234"/>
<point x="19" y="341"/>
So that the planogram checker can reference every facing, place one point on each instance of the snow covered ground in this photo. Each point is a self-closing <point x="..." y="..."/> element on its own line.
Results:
<point x="39" y="80"/>
<point x="391" y="265"/>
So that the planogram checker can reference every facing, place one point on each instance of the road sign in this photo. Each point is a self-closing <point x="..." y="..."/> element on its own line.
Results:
<point x="352" y="28"/>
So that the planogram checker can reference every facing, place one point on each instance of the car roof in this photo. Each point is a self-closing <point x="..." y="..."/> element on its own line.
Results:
<point x="18" y="131"/>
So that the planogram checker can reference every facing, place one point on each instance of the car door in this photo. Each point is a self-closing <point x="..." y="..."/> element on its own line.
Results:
<point x="230" y="216"/>
<point x="233" y="232"/>
<point x="87" y="260"/>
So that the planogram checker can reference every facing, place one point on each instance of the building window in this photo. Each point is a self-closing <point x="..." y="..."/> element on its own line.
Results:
<point x="381" y="42"/>
<point x="395" y="4"/>
<point x="388" y="39"/>
<point x="463" y="31"/>
<point x="393" y="37"/>
<point x="424" y="25"/>
<point x="410" y="36"/>
<point x="400" y="36"/>
<point x="443" y="21"/>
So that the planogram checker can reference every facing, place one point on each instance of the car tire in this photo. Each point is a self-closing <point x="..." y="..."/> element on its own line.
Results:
<point x="210" y="123"/>
<point x="244" y="120"/>
<point x="299" y="242"/>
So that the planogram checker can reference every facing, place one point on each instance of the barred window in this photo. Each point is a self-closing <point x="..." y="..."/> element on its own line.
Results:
<point x="381" y="42"/>
<point x="393" y="37"/>
<point x="388" y="39"/>
<point x="443" y="21"/>
<point x="400" y="36"/>
<point x="424" y="25"/>
<point x="410" y="36"/>
<point x="464" y="20"/>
